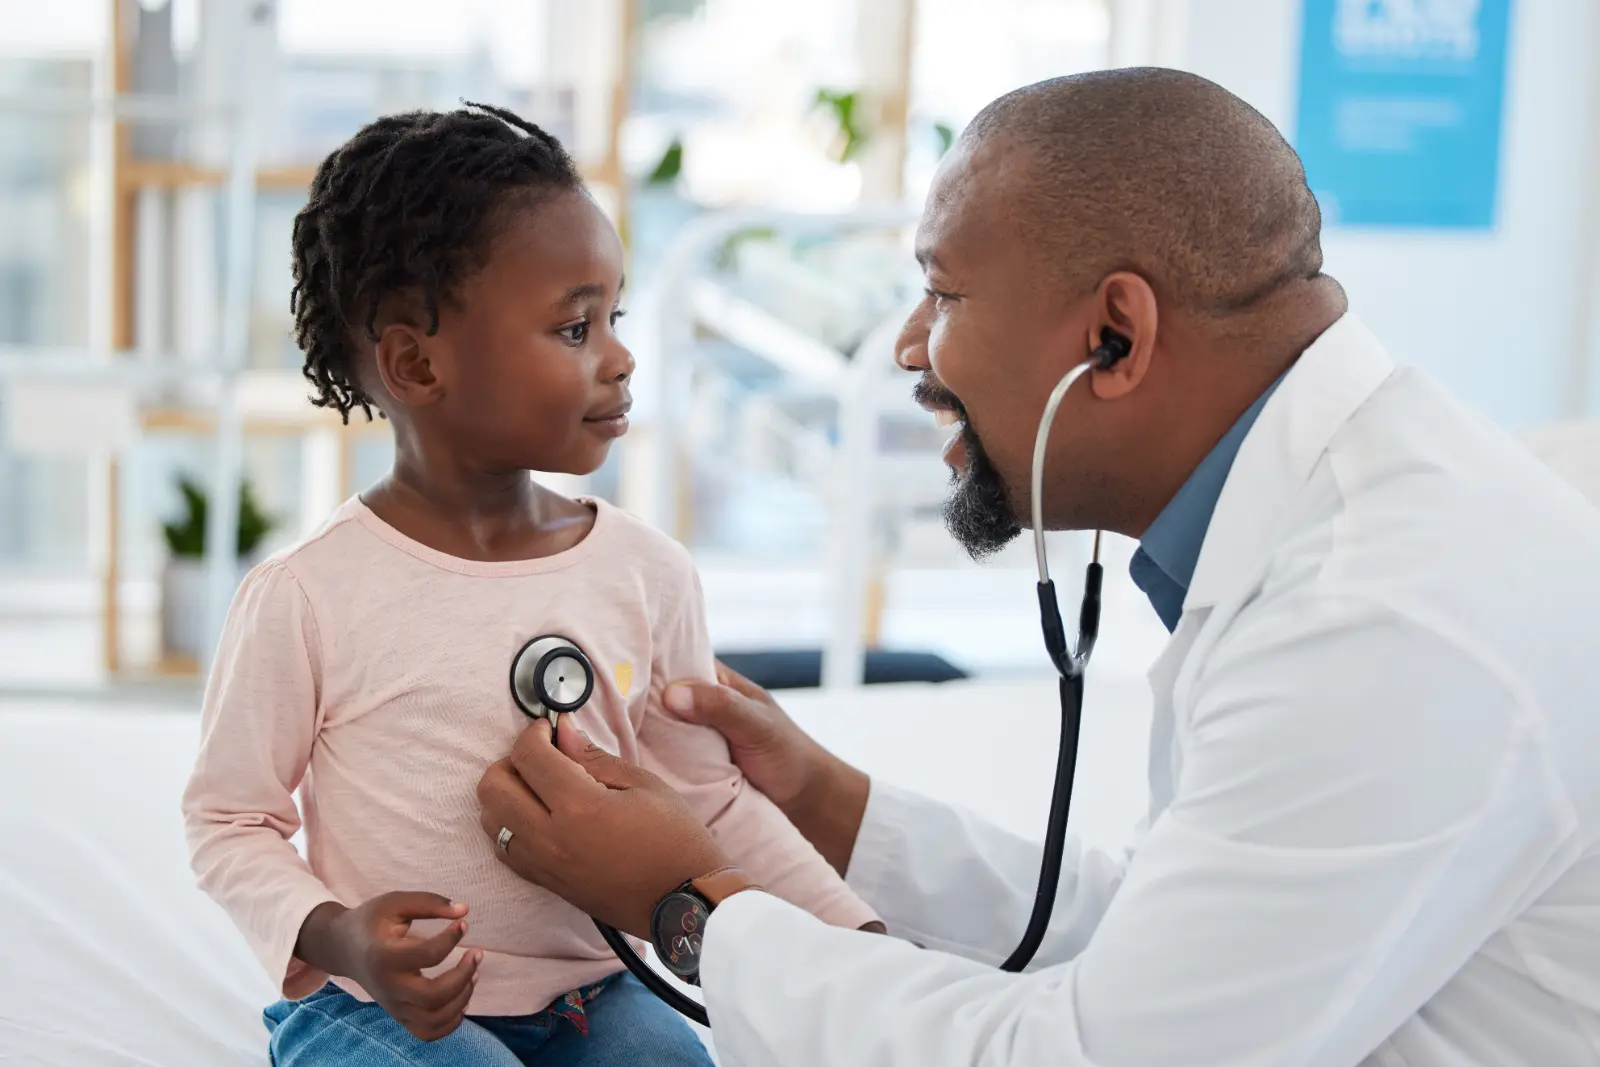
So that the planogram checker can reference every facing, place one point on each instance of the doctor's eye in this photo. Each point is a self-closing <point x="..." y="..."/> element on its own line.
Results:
<point x="940" y="298"/>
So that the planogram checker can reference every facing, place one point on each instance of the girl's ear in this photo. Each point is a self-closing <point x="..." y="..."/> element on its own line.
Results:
<point x="406" y="366"/>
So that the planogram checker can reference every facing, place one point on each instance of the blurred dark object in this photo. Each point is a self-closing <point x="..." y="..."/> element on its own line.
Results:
<point x="802" y="668"/>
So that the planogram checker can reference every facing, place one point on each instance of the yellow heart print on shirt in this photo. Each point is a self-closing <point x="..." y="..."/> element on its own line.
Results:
<point x="624" y="677"/>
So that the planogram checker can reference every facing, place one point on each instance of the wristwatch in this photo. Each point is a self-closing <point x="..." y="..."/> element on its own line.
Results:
<point x="678" y="923"/>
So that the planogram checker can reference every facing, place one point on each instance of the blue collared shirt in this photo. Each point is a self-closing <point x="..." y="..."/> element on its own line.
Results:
<point x="1164" y="564"/>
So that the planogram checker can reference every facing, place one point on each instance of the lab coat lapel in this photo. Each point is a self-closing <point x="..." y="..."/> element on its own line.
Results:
<point x="1332" y="378"/>
<point x="1325" y="387"/>
<point x="1166" y="758"/>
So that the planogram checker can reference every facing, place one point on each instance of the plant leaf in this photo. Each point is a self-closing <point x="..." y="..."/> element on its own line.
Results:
<point x="186" y="536"/>
<point x="670" y="166"/>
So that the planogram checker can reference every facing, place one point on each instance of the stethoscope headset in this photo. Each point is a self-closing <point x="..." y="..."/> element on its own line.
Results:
<point x="551" y="677"/>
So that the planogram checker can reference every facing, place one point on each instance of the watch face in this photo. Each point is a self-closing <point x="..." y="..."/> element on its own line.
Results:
<point x="676" y="929"/>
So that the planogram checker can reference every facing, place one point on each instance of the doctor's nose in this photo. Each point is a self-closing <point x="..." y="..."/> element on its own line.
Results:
<point x="911" y="347"/>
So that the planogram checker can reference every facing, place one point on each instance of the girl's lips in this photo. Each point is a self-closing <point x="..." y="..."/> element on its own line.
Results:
<point x="610" y="425"/>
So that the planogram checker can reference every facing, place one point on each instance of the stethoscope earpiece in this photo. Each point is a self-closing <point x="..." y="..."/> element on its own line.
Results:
<point x="551" y="676"/>
<point x="1113" y="348"/>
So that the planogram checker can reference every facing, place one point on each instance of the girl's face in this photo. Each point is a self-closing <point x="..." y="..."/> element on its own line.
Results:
<point x="530" y="373"/>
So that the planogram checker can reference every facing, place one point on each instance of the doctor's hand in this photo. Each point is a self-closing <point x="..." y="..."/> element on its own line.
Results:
<point x="820" y="793"/>
<point x="608" y="837"/>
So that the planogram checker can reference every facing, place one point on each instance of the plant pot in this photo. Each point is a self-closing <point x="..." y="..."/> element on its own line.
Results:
<point x="183" y="605"/>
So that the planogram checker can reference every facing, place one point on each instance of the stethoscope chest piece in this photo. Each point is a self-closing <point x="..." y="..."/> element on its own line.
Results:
<point x="551" y="676"/>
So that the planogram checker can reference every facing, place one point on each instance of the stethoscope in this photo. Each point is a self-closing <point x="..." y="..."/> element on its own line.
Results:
<point x="551" y="677"/>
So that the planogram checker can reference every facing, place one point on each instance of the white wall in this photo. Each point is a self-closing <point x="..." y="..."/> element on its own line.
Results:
<point x="1504" y="316"/>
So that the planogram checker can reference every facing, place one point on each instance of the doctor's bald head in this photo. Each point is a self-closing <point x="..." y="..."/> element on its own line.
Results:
<point x="1148" y="202"/>
<point x="1155" y="171"/>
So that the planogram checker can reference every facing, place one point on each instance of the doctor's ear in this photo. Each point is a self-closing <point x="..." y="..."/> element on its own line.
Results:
<point x="1122" y="334"/>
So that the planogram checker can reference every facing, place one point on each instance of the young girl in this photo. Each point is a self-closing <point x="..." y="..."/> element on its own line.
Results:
<point x="451" y="271"/>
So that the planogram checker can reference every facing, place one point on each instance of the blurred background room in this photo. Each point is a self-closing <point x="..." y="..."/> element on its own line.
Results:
<point x="764" y="162"/>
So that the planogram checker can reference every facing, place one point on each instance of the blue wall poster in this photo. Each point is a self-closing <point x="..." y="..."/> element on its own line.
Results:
<point x="1399" y="112"/>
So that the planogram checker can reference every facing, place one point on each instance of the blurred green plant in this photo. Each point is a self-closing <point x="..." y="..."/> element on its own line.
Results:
<point x="186" y="536"/>
<point x="655" y="9"/>
<point x="728" y="250"/>
<point x="670" y="166"/>
<point x="946" y="135"/>
<point x="843" y="107"/>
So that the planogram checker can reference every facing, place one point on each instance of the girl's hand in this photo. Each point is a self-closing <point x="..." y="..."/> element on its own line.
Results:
<point x="373" y="945"/>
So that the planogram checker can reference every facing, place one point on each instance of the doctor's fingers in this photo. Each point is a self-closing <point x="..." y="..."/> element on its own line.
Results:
<point x="731" y="678"/>
<point x="553" y="776"/>
<point x="746" y="719"/>
<point x="610" y="771"/>
<point x="507" y="802"/>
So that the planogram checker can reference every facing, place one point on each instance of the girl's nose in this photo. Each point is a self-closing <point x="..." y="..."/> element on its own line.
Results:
<point x="619" y="367"/>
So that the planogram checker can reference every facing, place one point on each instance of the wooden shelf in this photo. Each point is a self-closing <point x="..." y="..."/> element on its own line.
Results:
<point x="191" y="421"/>
<point x="173" y="665"/>
<point x="136" y="174"/>
<point x="172" y="174"/>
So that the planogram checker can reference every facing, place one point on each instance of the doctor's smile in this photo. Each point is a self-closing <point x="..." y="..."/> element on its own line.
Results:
<point x="947" y="415"/>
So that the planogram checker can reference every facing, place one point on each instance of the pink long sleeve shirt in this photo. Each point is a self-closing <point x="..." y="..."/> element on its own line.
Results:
<point x="370" y="673"/>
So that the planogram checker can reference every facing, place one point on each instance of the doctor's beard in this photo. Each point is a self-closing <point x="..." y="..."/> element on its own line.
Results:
<point x="978" y="510"/>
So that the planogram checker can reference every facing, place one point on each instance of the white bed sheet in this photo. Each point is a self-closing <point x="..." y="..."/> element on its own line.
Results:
<point x="111" y="957"/>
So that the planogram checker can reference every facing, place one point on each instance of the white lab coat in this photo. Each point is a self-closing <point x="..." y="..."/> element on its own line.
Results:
<point x="1375" y="780"/>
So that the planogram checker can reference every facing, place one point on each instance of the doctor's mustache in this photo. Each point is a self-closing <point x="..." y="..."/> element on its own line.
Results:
<point x="929" y="392"/>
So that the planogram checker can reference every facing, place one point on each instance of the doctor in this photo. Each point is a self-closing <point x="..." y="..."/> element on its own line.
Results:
<point x="1374" y="832"/>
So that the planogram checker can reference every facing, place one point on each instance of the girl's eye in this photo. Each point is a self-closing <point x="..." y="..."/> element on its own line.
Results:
<point x="617" y="314"/>
<point x="576" y="334"/>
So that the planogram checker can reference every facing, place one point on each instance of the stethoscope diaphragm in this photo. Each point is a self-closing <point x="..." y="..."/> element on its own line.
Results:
<point x="551" y="676"/>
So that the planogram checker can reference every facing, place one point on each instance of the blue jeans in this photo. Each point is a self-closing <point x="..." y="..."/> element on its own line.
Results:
<point x="627" y="1025"/>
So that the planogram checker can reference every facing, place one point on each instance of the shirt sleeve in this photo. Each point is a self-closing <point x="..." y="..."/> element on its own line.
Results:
<point x="1363" y="800"/>
<point x="914" y="855"/>
<point x="257" y="727"/>
<point x="696" y="762"/>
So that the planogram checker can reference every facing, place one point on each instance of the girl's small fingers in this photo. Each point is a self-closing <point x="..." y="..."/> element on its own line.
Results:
<point x="430" y="994"/>
<point x="448" y="1017"/>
